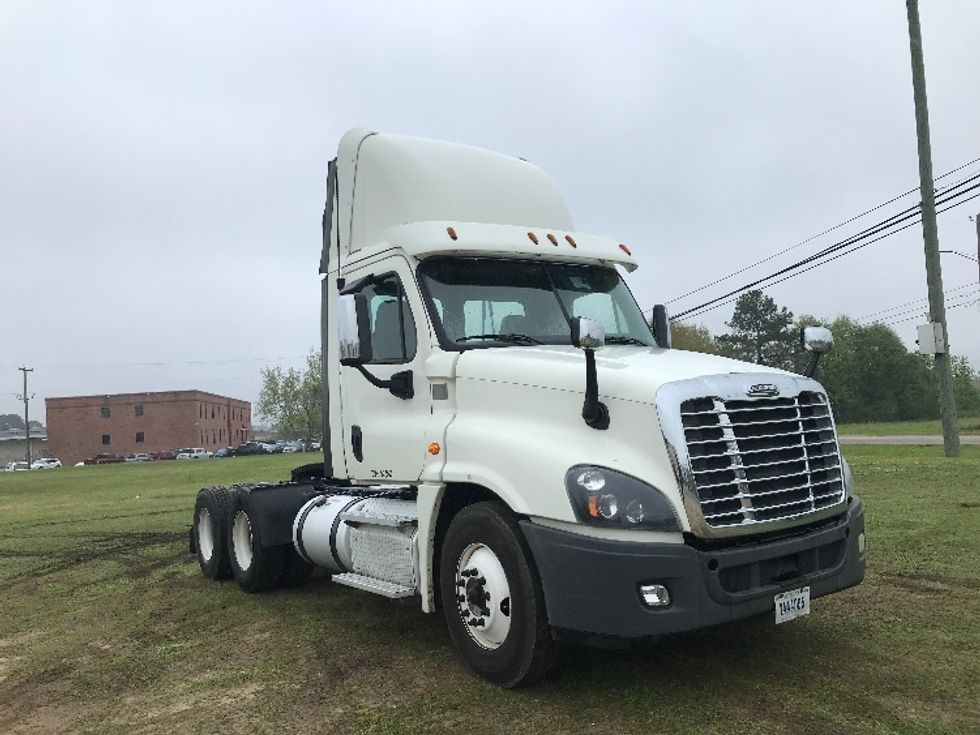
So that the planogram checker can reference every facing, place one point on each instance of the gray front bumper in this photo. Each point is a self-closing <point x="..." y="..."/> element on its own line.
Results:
<point x="592" y="585"/>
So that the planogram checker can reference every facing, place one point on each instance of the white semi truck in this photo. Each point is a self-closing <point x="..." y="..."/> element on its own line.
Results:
<point x="483" y="456"/>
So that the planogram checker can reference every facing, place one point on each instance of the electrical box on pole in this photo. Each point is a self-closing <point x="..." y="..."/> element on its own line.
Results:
<point x="931" y="340"/>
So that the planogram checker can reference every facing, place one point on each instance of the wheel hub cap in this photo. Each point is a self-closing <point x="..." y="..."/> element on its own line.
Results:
<point x="483" y="595"/>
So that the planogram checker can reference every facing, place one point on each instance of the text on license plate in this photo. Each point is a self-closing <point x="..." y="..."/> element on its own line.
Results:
<point x="792" y="604"/>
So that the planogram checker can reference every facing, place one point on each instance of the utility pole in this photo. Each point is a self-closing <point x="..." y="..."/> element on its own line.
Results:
<point x="27" y="421"/>
<point x="930" y="235"/>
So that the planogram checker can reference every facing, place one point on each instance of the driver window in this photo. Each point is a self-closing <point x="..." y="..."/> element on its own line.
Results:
<point x="393" y="337"/>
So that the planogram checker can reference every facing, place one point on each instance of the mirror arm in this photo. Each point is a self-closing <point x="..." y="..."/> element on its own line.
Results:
<point x="399" y="385"/>
<point x="811" y="367"/>
<point x="594" y="411"/>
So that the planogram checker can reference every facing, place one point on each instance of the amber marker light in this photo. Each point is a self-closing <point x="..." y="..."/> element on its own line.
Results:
<point x="553" y="239"/>
<point x="625" y="249"/>
<point x="533" y="237"/>
<point x="571" y="241"/>
<point x="434" y="448"/>
<point x="452" y="232"/>
<point x="594" y="506"/>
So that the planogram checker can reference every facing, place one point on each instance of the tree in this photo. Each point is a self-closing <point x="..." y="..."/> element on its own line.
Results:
<point x="761" y="332"/>
<point x="693" y="337"/>
<point x="290" y="400"/>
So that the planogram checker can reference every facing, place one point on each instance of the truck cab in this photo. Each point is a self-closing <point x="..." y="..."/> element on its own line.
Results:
<point x="508" y="438"/>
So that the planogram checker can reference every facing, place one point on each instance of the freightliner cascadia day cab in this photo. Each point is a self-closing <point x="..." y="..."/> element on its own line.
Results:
<point x="510" y="442"/>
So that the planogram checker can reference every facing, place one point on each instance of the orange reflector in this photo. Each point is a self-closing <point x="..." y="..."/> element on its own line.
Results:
<point x="625" y="249"/>
<point x="571" y="241"/>
<point x="434" y="448"/>
<point x="533" y="237"/>
<point x="594" y="506"/>
<point x="554" y="240"/>
<point x="452" y="232"/>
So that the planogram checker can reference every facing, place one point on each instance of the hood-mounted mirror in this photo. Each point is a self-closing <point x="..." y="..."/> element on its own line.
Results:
<point x="589" y="335"/>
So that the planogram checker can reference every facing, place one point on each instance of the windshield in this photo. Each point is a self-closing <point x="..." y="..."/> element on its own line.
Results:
<point x="483" y="301"/>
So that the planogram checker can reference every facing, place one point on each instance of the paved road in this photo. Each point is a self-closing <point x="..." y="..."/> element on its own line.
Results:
<point x="906" y="439"/>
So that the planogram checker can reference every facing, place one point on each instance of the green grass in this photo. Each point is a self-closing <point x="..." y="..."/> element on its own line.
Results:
<point x="107" y="626"/>
<point x="967" y="424"/>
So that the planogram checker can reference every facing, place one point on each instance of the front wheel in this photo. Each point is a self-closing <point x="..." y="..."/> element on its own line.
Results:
<point x="492" y="599"/>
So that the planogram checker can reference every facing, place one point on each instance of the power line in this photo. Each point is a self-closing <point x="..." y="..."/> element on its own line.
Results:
<point x="919" y="316"/>
<point x="827" y="231"/>
<point x="947" y="292"/>
<point x="854" y="240"/>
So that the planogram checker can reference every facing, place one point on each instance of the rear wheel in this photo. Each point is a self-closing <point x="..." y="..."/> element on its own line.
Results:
<point x="208" y="532"/>
<point x="255" y="566"/>
<point x="492" y="599"/>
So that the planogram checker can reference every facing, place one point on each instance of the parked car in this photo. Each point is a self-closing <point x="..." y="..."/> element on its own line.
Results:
<point x="248" y="448"/>
<point x="291" y="448"/>
<point x="17" y="467"/>
<point x="193" y="453"/>
<point x="45" y="463"/>
<point x="104" y="459"/>
<point x="169" y="454"/>
<point x="138" y="457"/>
<point x="225" y="452"/>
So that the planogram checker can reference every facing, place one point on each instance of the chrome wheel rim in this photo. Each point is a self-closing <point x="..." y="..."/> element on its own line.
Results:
<point x="205" y="534"/>
<point x="241" y="538"/>
<point x="483" y="596"/>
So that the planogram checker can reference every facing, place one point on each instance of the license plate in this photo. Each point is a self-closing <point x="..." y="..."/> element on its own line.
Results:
<point x="792" y="604"/>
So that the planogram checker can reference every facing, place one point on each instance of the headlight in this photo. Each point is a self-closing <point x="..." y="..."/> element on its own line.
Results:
<point x="604" y="497"/>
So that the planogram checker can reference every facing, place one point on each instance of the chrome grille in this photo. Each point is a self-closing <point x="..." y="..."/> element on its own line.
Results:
<point x="760" y="460"/>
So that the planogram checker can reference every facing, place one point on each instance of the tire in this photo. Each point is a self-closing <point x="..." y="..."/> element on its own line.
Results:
<point x="297" y="570"/>
<point x="255" y="566"/>
<point x="208" y="531"/>
<point x="505" y="638"/>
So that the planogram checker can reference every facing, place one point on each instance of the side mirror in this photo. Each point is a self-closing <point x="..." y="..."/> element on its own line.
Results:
<point x="590" y="335"/>
<point x="817" y="341"/>
<point x="587" y="334"/>
<point x="354" y="328"/>
<point x="661" y="326"/>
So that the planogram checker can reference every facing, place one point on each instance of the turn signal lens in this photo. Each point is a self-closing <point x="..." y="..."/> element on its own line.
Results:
<point x="434" y="448"/>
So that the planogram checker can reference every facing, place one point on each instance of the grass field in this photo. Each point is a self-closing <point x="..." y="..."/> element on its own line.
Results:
<point x="107" y="626"/>
<point x="967" y="424"/>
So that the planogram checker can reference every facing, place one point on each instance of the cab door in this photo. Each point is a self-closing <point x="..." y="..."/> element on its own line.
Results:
<point x="384" y="434"/>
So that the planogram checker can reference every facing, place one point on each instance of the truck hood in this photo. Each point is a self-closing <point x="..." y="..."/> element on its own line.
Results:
<point x="626" y="372"/>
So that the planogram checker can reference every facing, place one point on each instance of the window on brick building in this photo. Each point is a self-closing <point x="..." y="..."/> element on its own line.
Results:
<point x="105" y="412"/>
<point x="212" y="411"/>
<point x="138" y="409"/>
<point x="139" y="437"/>
<point x="105" y="438"/>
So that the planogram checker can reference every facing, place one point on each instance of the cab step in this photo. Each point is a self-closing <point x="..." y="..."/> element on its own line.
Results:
<point x="371" y="584"/>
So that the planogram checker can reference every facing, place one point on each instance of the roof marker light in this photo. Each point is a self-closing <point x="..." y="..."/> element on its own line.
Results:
<point x="553" y="239"/>
<point x="533" y="237"/>
<point x="452" y="232"/>
<point x="625" y="249"/>
<point x="434" y="448"/>
<point x="571" y="241"/>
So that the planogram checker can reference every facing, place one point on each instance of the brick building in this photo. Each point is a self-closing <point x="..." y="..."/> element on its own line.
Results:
<point x="83" y="426"/>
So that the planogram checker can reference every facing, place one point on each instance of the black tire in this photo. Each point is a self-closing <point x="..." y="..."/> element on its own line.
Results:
<point x="528" y="651"/>
<point x="297" y="569"/>
<point x="255" y="566"/>
<point x="208" y="540"/>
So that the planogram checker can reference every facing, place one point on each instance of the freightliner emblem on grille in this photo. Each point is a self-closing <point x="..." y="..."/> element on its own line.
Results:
<point x="762" y="390"/>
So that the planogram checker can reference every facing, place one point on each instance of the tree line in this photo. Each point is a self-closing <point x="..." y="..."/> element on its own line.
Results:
<point x="869" y="376"/>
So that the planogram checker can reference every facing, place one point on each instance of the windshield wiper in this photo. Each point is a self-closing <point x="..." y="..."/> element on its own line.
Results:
<point x="625" y="341"/>
<point x="516" y="338"/>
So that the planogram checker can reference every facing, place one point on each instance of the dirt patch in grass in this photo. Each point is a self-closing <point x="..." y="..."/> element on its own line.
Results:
<point x="124" y="548"/>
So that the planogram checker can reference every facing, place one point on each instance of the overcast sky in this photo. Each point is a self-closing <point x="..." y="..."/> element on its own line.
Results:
<point x="162" y="163"/>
